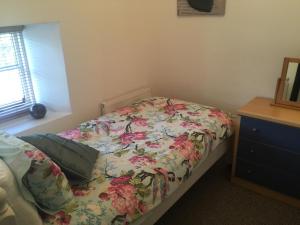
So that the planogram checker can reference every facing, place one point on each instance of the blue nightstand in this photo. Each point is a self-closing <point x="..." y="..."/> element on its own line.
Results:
<point x="267" y="151"/>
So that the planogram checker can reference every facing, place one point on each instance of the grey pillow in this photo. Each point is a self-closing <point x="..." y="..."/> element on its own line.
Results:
<point x="75" y="159"/>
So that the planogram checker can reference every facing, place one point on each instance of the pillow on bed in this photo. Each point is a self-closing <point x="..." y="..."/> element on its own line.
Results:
<point x="46" y="182"/>
<point x="75" y="159"/>
<point x="40" y="180"/>
<point x="19" y="205"/>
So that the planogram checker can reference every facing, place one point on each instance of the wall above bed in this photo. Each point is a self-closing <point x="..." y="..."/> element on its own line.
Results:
<point x="112" y="47"/>
<point x="107" y="50"/>
<point x="225" y="61"/>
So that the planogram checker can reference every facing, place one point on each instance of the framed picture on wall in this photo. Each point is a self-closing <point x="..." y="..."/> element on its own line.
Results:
<point x="200" y="7"/>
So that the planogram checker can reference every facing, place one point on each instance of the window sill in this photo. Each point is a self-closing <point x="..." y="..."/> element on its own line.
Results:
<point x="24" y="123"/>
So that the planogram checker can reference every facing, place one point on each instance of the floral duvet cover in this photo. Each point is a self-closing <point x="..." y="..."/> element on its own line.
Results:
<point x="146" y="151"/>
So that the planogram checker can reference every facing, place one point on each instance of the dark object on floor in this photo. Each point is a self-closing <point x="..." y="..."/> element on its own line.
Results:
<point x="38" y="111"/>
<point x="213" y="200"/>
<point x="202" y="5"/>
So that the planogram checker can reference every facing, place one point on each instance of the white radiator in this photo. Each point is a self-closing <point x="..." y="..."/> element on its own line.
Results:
<point x="128" y="98"/>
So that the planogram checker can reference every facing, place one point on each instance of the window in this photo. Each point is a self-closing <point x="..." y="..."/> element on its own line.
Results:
<point x="16" y="91"/>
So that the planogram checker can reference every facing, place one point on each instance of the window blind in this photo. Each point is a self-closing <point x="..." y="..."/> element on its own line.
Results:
<point x="16" y="91"/>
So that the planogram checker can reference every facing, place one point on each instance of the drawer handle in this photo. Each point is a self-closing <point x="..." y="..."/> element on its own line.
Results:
<point x="254" y="129"/>
<point x="251" y="150"/>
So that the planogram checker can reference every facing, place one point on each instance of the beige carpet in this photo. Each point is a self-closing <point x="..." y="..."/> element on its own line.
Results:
<point x="213" y="200"/>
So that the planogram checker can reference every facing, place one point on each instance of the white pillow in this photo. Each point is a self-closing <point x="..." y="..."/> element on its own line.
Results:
<point x="26" y="213"/>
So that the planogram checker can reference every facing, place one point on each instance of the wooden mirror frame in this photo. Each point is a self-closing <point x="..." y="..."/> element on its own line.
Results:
<point x="279" y="101"/>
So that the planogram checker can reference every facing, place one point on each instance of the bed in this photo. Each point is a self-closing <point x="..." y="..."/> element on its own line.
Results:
<point x="151" y="152"/>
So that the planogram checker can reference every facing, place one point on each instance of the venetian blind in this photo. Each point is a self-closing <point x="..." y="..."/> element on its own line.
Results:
<point x="16" y="91"/>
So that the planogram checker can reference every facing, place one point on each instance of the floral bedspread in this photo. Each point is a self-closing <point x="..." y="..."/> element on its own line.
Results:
<point x="146" y="151"/>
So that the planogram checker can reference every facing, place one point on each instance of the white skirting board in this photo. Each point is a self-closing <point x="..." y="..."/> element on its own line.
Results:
<point x="128" y="98"/>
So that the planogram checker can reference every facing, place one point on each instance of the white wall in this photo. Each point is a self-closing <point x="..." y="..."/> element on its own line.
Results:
<point x="107" y="47"/>
<point x="225" y="61"/>
<point x="47" y="66"/>
<point x="114" y="46"/>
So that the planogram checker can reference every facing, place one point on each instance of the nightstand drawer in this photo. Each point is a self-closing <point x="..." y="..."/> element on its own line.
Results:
<point x="270" y="156"/>
<point x="271" y="178"/>
<point x="270" y="133"/>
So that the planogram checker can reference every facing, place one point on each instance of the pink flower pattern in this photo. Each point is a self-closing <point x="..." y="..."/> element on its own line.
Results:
<point x="75" y="134"/>
<point x="131" y="188"/>
<point x="30" y="154"/>
<point x="194" y="113"/>
<point x="186" y="148"/>
<point x="71" y="134"/>
<point x="62" y="218"/>
<point x="172" y="109"/>
<point x="152" y="144"/>
<point x="77" y="191"/>
<point x="125" y="110"/>
<point x="139" y="121"/>
<point x="128" y="138"/>
<point x="221" y="116"/>
<point x="123" y="197"/>
<point x="104" y="196"/>
<point x="56" y="171"/>
<point x="142" y="160"/>
<point x="190" y="125"/>
<point x="120" y="180"/>
<point x="36" y="155"/>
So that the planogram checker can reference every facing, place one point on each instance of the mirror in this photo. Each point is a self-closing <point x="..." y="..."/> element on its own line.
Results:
<point x="292" y="83"/>
<point x="288" y="86"/>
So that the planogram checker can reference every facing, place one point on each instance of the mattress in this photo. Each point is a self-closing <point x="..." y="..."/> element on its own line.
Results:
<point x="147" y="152"/>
